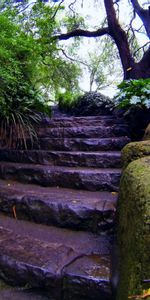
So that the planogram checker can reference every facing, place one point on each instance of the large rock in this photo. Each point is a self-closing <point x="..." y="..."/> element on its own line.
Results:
<point x="134" y="228"/>
<point x="134" y="151"/>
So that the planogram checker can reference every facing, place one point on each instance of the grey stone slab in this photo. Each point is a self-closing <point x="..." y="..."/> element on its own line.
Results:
<point x="91" y="211"/>
<point x="81" y="273"/>
<point x="82" y="144"/>
<point x="43" y="263"/>
<point x="79" y="178"/>
<point x="81" y="121"/>
<point x="84" y="131"/>
<point x="107" y="159"/>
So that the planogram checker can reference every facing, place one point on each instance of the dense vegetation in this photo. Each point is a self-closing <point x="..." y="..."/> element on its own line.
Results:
<point x="37" y="66"/>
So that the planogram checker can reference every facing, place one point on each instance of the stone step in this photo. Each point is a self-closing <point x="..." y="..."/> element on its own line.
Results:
<point x="81" y="121"/>
<point x="76" y="209"/>
<point x="12" y="293"/>
<point x="107" y="159"/>
<point x="69" y="265"/>
<point x="75" y="144"/>
<point x="81" y="144"/>
<point x="84" y="131"/>
<point x="93" y="179"/>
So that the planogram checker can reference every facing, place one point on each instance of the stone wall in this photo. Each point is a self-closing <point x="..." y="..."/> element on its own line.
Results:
<point x="134" y="220"/>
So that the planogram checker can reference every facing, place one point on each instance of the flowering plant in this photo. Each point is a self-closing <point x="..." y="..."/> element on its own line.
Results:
<point x="133" y="92"/>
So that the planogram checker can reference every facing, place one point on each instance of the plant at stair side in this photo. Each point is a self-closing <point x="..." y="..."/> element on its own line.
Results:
<point x="134" y="101"/>
<point x="20" y="100"/>
<point x="134" y="92"/>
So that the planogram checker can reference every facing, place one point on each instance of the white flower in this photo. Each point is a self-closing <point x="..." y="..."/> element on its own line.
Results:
<point x="146" y="90"/>
<point x="135" y="100"/>
<point x="147" y="103"/>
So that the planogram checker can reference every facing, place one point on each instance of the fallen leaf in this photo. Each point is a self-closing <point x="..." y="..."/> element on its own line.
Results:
<point x="114" y="193"/>
<point x="146" y="294"/>
<point x="14" y="212"/>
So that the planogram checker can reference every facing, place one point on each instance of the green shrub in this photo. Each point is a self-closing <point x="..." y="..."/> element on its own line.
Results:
<point x="20" y="100"/>
<point x="134" y="92"/>
<point x="66" y="101"/>
<point x="19" y="115"/>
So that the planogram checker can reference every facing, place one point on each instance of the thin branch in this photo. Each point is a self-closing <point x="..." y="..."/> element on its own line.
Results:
<point x="54" y="15"/>
<point x="70" y="7"/>
<point x="25" y="7"/>
<point x="142" y="47"/>
<point x="71" y="58"/>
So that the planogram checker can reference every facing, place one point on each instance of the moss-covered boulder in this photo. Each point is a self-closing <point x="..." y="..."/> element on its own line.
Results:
<point x="134" y="228"/>
<point x="134" y="151"/>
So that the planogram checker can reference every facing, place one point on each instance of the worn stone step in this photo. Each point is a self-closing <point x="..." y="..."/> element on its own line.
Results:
<point x="75" y="144"/>
<point x="69" y="265"/>
<point x="81" y="121"/>
<point x="81" y="144"/>
<point x="76" y="209"/>
<point x="107" y="159"/>
<point x="13" y="293"/>
<point x="84" y="131"/>
<point x="80" y="178"/>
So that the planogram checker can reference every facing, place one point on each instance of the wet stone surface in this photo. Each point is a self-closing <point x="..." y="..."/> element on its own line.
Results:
<point x="79" y="178"/>
<point x="24" y="294"/>
<point x="24" y="260"/>
<point x="82" y="272"/>
<point x="81" y="121"/>
<point x="92" y="211"/>
<point x="62" y="158"/>
<point x="84" y="131"/>
<point x="68" y="180"/>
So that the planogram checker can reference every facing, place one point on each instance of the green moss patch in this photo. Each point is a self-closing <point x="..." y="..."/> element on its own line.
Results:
<point x="134" y="228"/>
<point x="134" y="151"/>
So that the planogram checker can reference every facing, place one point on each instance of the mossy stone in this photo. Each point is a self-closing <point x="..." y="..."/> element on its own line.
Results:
<point x="134" y="228"/>
<point x="134" y="151"/>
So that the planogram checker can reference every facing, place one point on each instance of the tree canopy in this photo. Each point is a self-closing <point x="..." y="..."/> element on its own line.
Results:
<point x="52" y="23"/>
<point x="123" y="35"/>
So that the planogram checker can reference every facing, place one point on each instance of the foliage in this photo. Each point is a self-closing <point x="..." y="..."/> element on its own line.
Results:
<point x="67" y="101"/>
<point x="134" y="92"/>
<point x="100" y="67"/>
<point x="20" y="100"/>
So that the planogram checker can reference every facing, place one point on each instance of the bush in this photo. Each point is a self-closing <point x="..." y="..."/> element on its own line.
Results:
<point x="133" y="100"/>
<point x="19" y="115"/>
<point x="134" y="92"/>
<point x="20" y="101"/>
<point x="66" y="101"/>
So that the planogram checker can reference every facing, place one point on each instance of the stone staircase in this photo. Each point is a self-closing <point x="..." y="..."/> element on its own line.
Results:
<point x="57" y="204"/>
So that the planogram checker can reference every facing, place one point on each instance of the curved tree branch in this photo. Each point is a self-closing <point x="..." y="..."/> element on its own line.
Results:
<point x="144" y="15"/>
<point x="83" y="33"/>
